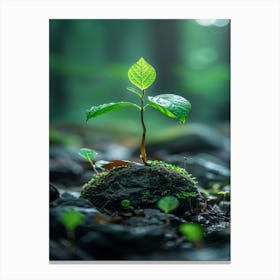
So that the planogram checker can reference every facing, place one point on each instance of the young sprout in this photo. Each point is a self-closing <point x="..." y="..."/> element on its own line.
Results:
<point x="142" y="75"/>
<point x="125" y="203"/>
<point x="89" y="155"/>
<point x="193" y="232"/>
<point x="71" y="219"/>
<point x="187" y="195"/>
<point x="167" y="204"/>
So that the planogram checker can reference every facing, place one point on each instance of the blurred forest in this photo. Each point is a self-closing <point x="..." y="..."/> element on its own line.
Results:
<point x="89" y="60"/>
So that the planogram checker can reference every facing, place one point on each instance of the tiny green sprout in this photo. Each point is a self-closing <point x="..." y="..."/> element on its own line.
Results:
<point x="125" y="203"/>
<point x="192" y="231"/>
<point x="167" y="204"/>
<point x="71" y="219"/>
<point x="89" y="155"/>
<point x="142" y="75"/>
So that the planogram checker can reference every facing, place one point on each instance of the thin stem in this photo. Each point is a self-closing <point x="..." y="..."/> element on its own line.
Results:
<point x="143" y="155"/>
<point x="71" y="236"/>
<point x="166" y="219"/>
<point x="93" y="167"/>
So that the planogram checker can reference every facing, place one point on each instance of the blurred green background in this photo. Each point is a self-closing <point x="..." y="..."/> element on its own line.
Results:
<point x="89" y="60"/>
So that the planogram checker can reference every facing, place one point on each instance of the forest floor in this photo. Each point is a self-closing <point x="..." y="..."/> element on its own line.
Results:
<point x="139" y="232"/>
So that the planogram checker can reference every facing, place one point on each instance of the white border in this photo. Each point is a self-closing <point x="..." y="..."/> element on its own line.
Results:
<point x="255" y="138"/>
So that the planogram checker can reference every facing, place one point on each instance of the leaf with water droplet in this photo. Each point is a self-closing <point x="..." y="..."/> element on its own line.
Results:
<point x="172" y="105"/>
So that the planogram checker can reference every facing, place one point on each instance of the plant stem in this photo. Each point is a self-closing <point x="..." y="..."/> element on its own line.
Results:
<point x="93" y="167"/>
<point x="166" y="219"/>
<point x="143" y="155"/>
<point x="71" y="236"/>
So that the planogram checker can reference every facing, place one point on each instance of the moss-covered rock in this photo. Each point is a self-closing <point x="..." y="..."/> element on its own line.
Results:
<point x="143" y="186"/>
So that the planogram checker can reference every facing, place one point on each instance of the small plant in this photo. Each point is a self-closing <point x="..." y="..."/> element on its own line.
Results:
<point x="71" y="219"/>
<point x="125" y="203"/>
<point x="167" y="204"/>
<point x="142" y="75"/>
<point x="187" y="195"/>
<point x="89" y="155"/>
<point x="192" y="231"/>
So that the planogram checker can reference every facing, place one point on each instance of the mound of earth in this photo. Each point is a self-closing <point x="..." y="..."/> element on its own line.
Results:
<point x="143" y="186"/>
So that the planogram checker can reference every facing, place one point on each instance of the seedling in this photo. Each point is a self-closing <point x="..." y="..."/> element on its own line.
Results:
<point x="89" y="155"/>
<point x="167" y="204"/>
<point x="125" y="203"/>
<point x="142" y="75"/>
<point x="187" y="195"/>
<point x="71" y="219"/>
<point x="192" y="231"/>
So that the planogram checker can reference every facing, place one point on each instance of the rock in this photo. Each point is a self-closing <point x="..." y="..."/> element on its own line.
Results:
<point x="142" y="185"/>
<point x="69" y="200"/>
<point x="65" y="172"/>
<point x="59" y="252"/>
<point x="63" y="250"/>
<point x="66" y="168"/>
<point x="121" y="241"/>
<point x="57" y="229"/>
<point x="153" y="217"/>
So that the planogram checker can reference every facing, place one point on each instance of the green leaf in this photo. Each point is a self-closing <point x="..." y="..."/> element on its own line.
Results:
<point x="192" y="231"/>
<point x="87" y="154"/>
<point x="125" y="203"/>
<point x="168" y="203"/>
<point x="71" y="219"/>
<point x="134" y="90"/>
<point x="174" y="106"/>
<point x="142" y="74"/>
<point x="99" y="110"/>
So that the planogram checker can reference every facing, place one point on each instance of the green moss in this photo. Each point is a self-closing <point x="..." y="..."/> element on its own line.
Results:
<point x="186" y="195"/>
<point x="96" y="180"/>
<point x="175" y="168"/>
